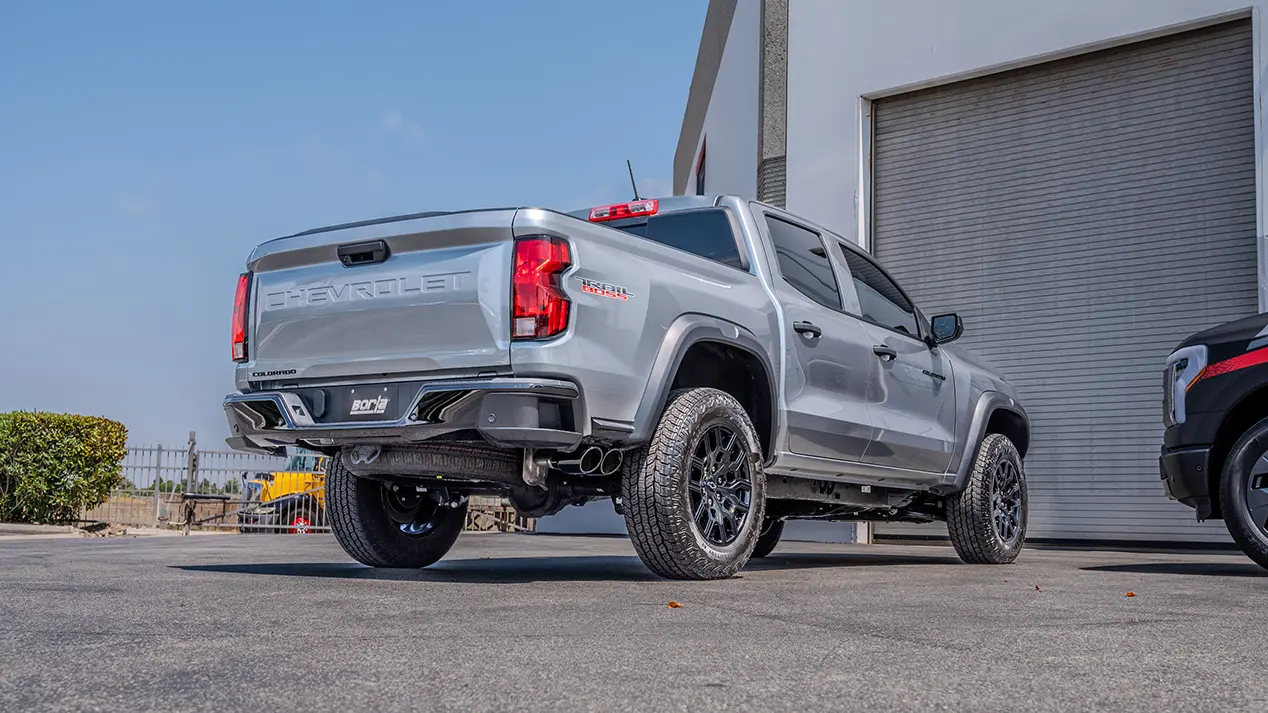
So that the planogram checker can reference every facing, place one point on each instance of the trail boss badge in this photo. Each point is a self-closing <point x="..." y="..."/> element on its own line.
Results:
<point x="604" y="289"/>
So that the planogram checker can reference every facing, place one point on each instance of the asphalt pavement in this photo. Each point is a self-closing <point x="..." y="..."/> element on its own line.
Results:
<point x="535" y="622"/>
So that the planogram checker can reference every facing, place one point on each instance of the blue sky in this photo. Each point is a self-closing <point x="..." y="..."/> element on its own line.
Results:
<point x="146" y="147"/>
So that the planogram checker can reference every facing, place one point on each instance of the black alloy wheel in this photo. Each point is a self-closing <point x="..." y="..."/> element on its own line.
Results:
<point x="720" y="485"/>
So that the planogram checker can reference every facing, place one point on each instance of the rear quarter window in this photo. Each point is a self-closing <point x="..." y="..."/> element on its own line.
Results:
<point x="706" y="233"/>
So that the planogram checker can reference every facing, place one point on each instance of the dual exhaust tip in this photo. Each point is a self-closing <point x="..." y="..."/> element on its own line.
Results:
<point x="591" y="461"/>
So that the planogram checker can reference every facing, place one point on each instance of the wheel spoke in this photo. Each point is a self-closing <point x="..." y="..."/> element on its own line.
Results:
<point x="1257" y="503"/>
<point x="711" y="446"/>
<point x="730" y="455"/>
<point x="699" y="464"/>
<point x="701" y="510"/>
<point x="1261" y="466"/>
<point x="729" y="529"/>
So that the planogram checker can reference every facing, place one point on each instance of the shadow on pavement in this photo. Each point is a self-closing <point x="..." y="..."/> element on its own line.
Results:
<point x="811" y="560"/>
<point x="1205" y="569"/>
<point x="545" y="569"/>
<point x="478" y="571"/>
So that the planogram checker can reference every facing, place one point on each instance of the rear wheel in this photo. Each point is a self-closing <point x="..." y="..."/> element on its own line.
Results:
<point x="694" y="498"/>
<point x="987" y="520"/>
<point x="1244" y="493"/>
<point x="387" y="524"/>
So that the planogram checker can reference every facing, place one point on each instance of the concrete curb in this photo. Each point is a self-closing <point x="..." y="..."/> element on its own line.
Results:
<point x="13" y="528"/>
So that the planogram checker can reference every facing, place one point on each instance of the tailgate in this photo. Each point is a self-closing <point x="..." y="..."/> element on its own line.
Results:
<point x="438" y="302"/>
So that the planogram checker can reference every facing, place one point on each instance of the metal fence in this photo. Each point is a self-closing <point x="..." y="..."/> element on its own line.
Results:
<point x="189" y="487"/>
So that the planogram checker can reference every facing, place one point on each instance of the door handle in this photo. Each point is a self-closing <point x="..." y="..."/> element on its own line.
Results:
<point x="808" y="329"/>
<point x="884" y="352"/>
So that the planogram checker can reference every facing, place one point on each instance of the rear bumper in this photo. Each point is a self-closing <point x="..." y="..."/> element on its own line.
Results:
<point x="521" y="413"/>
<point x="1185" y="474"/>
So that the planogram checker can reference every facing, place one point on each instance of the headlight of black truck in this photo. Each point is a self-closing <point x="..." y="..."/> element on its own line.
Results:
<point x="1183" y="367"/>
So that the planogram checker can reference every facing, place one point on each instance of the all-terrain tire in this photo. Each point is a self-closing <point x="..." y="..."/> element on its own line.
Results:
<point x="1233" y="484"/>
<point x="769" y="538"/>
<point x="657" y="500"/>
<point x="359" y="520"/>
<point x="970" y="512"/>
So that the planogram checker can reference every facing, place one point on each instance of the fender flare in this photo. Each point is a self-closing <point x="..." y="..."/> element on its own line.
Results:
<point x="685" y="332"/>
<point x="987" y="404"/>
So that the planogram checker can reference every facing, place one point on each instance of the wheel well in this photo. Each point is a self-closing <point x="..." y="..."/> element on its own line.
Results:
<point x="736" y="371"/>
<point x="1012" y="425"/>
<point x="1252" y="409"/>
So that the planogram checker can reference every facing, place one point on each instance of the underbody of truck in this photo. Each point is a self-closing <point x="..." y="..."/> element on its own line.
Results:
<point x="523" y="433"/>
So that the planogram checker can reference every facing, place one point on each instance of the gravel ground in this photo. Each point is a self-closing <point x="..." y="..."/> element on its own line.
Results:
<point x="523" y="622"/>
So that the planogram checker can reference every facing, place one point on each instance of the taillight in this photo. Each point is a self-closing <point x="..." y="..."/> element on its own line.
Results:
<point x="539" y="307"/>
<point x="240" y="317"/>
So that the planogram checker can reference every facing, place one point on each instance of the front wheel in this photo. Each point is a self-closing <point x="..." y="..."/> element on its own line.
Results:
<point x="695" y="497"/>
<point x="388" y="524"/>
<point x="987" y="520"/>
<point x="1244" y="493"/>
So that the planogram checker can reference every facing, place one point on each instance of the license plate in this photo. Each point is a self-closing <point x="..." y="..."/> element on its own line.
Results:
<point x="367" y="403"/>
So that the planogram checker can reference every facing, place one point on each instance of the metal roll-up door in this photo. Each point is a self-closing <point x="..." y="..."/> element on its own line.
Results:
<point x="1083" y="216"/>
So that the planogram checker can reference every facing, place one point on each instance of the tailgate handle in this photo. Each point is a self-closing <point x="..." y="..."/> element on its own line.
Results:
<point x="369" y="253"/>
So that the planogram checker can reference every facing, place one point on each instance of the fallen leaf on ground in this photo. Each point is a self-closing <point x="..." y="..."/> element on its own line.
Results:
<point x="1130" y="594"/>
<point x="674" y="605"/>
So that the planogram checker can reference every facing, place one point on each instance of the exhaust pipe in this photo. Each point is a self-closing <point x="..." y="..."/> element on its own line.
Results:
<point x="611" y="462"/>
<point x="587" y="462"/>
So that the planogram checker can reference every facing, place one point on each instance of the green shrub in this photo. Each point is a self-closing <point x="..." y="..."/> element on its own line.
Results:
<point x="54" y="466"/>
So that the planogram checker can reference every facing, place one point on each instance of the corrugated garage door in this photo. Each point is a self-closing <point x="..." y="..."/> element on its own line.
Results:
<point x="1083" y="216"/>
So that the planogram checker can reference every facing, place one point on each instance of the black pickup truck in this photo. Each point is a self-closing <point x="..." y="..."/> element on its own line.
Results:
<point x="1215" y="451"/>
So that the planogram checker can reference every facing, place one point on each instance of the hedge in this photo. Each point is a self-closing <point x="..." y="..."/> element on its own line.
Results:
<point x="54" y="466"/>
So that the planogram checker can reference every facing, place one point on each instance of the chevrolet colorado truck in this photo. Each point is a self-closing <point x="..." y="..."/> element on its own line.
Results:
<point x="712" y="365"/>
<point x="1215" y="447"/>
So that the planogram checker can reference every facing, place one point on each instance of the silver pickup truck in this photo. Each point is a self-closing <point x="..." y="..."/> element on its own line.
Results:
<point x="714" y="366"/>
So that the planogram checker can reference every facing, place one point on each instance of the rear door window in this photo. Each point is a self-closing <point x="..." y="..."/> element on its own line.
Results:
<point x="705" y="232"/>
<point x="803" y="262"/>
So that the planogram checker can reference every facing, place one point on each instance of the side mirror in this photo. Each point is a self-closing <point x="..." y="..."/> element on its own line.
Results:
<point x="946" y="328"/>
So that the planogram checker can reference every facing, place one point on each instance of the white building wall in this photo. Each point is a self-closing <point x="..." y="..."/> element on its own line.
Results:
<point x="840" y="53"/>
<point x="730" y="125"/>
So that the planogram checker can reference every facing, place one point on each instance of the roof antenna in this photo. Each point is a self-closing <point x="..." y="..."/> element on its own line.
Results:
<point x="632" y="183"/>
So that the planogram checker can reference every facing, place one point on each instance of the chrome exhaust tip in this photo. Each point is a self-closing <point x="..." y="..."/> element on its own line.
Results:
<point x="611" y="462"/>
<point x="591" y="460"/>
